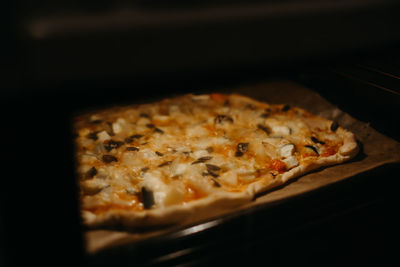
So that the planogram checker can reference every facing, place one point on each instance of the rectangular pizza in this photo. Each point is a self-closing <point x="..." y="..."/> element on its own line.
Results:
<point x="156" y="164"/>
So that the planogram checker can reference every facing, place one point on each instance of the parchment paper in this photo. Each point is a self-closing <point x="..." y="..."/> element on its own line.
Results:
<point x="376" y="150"/>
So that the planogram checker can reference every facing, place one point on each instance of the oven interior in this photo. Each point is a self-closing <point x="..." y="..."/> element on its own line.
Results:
<point x="65" y="58"/>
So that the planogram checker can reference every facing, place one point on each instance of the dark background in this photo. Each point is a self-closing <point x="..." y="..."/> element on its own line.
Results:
<point x="61" y="58"/>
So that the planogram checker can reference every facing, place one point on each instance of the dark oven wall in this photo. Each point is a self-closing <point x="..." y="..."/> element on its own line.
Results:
<point x="121" y="43"/>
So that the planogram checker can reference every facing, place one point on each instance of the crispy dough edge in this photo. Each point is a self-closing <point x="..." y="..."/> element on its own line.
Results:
<point x="168" y="215"/>
<point x="222" y="200"/>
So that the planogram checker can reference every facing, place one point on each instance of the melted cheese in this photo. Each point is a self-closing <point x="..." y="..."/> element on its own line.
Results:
<point x="184" y="149"/>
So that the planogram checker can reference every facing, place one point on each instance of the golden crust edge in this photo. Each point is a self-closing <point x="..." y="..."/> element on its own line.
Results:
<point x="168" y="215"/>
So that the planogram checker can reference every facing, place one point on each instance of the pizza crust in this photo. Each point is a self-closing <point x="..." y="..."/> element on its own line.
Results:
<point x="349" y="148"/>
<point x="167" y="216"/>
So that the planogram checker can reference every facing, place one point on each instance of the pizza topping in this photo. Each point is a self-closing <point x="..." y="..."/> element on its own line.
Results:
<point x="219" y="97"/>
<point x="210" y="149"/>
<point x="223" y="118"/>
<point x="166" y="163"/>
<point x="229" y="178"/>
<point x="213" y="174"/>
<point x="178" y="169"/>
<point x="285" y="108"/>
<point x="132" y="148"/>
<point x="160" y="192"/>
<point x="147" y="198"/>
<point x="291" y="162"/>
<point x="281" y="130"/>
<point x="98" y="149"/>
<point x="264" y="128"/>
<point x="241" y="148"/>
<point x="212" y="170"/>
<point x="111" y="144"/>
<point x="215" y="182"/>
<point x="103" y="135"/>
<point x="313" y="148"/>
<point x="278" y="165"/>
<point x="117" y="127"/>
<point x="329" y="152"/>
<point x="158" y="130"/>
<point x="266" y="114"/>
<point x="334" y="126"/>
<point x="246" y="174"/>
<point x="91" y="172"/>
<point x="110" y="128"/>
<point x="131" y="138"/>
<point x="201" y="160"/>
<point x="131" y="191"/>
<point x="287" y="150"/>
<point x="315" y="140"/>
<point x="148" y="154"/>
<point x="211" y="167"/>
<point x="93" y="136"/>
<point x="159" y="154"/>
<point x="128" y="140"/>
<point x="175" y="193"/>
<point x="144" y="115"/>
<point x="136" y="136"/>
<point x="238" y="154"/>
<point x="94" y="186"/>
<point x="162" y="118"/>
<point x="109" y="158"/>
<point x="98" y="121"/>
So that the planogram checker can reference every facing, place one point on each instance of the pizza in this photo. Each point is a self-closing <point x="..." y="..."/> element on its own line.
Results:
<point x="157" y="164"/>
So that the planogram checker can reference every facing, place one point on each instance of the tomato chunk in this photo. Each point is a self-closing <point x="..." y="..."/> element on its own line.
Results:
<point x="278" y="165"/>
<point x="218" y="97"/>
<point x="329" y="152"/>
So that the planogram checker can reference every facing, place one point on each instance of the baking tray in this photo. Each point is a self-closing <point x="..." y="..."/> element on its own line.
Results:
<point x="377" y="151"/>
